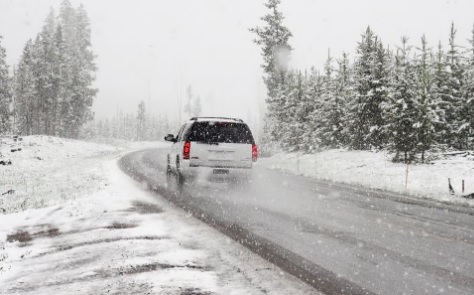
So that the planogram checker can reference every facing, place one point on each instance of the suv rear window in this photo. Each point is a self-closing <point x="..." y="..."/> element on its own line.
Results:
<point x="225" y="132"/>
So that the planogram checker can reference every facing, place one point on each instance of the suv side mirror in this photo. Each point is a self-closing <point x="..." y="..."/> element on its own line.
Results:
<point x="170" y="137"/>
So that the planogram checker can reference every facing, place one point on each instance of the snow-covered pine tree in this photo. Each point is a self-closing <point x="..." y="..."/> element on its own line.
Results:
<point x="47" y="95"/>
<point x="188" y="105"/>
<point x="67" y="15"/>
<point x="312" y="129"/>
<point x="37" y="68"/>
<point x="60" y="78"/>
<point x="455" y="98"/>
<point x="291" y="117"/>
<point x="197" y="106"/>
<point x="441" y="95"/>
<point x="329" y="111"/>
<point x="25" y="91"/>
<point x="381" y="88"/>
<point x="366" y="121"/>
<point x="141" y="117"/>
<point x="192" y="107"/>
<point x="78" y="94"/>
<point x="107" y="129"/>
<point x="84" y="73"/>
<point x="343" y="93"/>
<point x="67" y="22"/>
<point x="273" y="38"/>
<point x="5" y="92"/>
<point x="427" y="105"/>
<point x="468" y="91"/>
<point x="304" y="111"/>
<point x="285" y="115"/>
<point x="99" y="126"/>
<point x="402" y="111"/>
<point x="302" y="105"/>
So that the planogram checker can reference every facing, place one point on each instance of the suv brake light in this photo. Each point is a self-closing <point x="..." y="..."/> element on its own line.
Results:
<point x="254" y="152"/>
<point x="186" y="150"/>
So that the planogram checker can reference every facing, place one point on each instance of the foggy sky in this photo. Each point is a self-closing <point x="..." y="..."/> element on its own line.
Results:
<point x="152" y="50"/>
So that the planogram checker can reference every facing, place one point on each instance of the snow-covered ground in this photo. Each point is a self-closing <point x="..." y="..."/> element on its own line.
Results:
<point x="72" y="223"/>
<point x="375" y="170"/>
<point x="75" y="224"/>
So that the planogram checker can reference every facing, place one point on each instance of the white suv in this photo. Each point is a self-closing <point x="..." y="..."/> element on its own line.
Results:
<point x="213" y="145"/>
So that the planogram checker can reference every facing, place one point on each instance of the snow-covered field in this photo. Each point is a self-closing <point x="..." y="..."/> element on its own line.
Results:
<point x="375" y="170"/>
<point x="75" y="224"/>
<point x="49" y="170"/>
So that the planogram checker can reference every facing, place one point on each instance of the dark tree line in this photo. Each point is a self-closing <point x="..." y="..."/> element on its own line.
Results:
<point x="51" y="89"/>
<point x="405" y="99"/>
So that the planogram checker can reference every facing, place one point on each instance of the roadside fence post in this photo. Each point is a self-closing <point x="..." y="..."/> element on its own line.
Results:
<point x="406" y="176"/>
<point x="298" y="162"/>
<point x="315" y="165"/>
<point x="450" y="187"/>
<point x="463" y="186"/>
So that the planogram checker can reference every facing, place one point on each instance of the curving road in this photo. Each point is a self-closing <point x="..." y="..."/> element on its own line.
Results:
<point x="337" y="238"/>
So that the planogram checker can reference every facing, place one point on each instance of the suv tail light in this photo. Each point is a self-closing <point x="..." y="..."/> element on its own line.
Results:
<point x="186" y="150"/>
<point x="254" y="152"/>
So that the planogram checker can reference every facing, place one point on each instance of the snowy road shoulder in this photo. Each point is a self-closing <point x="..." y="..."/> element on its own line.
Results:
<point x="375" y="170"/>
<point x="122" y="240"/>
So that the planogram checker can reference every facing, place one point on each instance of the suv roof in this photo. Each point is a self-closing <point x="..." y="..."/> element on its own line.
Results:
<point x="216" y="119"/>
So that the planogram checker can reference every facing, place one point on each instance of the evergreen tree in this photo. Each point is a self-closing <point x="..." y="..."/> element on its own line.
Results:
<point x="188" y="105"/>
<point x="193" y="103"/>
<point x="83" y="74"/>
<point x="441" y="96"/>
<point x="329" y="112"/>
<point x="60" y="84"/>
<point x="67" y="16"/>
<point x="295" y="112"/>
<point x="402" y="110"/>
<point x="44" y="71"/>
<point x="427" y="106"/>
<point x="343" y="93"/>
<point x="141" y="116"/>
<point x="273" y="38"/>
<point x="284" y="115"/>
<point x="366" y="120"/>
<point x="304" y="110"/>
<point x="25" y="91"/>
<point x="312" y="131"/>
<point x="197" y="107"/>
<point x="53" y="82"/>
<point x="455" y="97"/>
<point x="5" y="92"/>
<point x="382" y="88"/>
<point x="468" y="109"/>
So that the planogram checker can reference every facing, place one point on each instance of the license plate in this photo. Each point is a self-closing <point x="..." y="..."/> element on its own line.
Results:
<point x="220" y="171"/>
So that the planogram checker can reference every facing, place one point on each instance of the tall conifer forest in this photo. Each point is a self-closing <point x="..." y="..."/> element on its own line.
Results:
<point x="408" y="99"/>
<point x="51" y="91"/>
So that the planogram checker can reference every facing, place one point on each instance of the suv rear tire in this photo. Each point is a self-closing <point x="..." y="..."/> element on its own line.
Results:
<point x="178" y="171"/>
<point x="168" y="166"/>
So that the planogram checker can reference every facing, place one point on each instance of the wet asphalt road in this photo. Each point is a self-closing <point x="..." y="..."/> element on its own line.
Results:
<point x="340" y="239"/>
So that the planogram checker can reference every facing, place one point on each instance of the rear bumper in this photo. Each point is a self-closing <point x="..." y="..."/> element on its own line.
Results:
<point x="195" y="170"/>
<point x="219" y="166"/>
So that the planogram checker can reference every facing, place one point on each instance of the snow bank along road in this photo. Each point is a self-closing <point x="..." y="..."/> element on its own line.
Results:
<point x="339" y="239"/>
